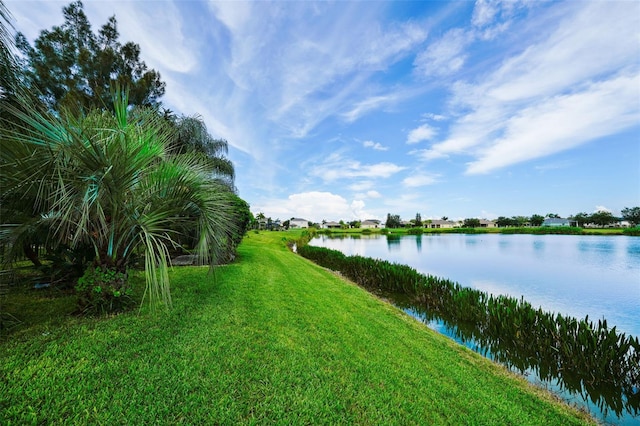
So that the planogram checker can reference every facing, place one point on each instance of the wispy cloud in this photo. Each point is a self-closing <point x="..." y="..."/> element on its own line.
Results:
<point x="422" y="133"/>
<point x="375" y="145"/>
<point x="299" y="66"/>
<point x="563" y="122"/>
<point x="445" y="56"/>
<point x="336" y="167"/>
<point x="418" y="180"/>
<point x="562" y="92"/>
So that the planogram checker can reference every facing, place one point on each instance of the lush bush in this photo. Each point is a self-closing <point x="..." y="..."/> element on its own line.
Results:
<point x="102" y="290"/>
<point x="415" y="231"/>
<point x="544" y="230"/>
<point x="632" y="231"/>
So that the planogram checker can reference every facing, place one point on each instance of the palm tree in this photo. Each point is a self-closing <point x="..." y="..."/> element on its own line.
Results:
<point x="109" y="181"/>
<point x="191" y="135"/>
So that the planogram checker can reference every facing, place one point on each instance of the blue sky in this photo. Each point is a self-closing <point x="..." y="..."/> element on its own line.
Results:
<point x="352" y="110"/>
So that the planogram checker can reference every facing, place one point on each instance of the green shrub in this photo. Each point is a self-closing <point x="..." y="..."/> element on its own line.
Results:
<point x="102" y="290"/>
<point x="632" y="231"/>
<point x="415" y="231"/>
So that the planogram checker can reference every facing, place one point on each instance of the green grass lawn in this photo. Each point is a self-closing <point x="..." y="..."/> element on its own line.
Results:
<point x="271" y="338"/>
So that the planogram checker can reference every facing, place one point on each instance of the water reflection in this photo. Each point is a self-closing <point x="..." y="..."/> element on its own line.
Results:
<point x="393" y="242"/>
<point x="616" y="399"/>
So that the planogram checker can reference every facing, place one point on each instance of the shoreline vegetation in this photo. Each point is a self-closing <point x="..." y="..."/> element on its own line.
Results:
<point x="581" y="356"/>
<point x="539" y="230"/>
<point x="269" y="338"/>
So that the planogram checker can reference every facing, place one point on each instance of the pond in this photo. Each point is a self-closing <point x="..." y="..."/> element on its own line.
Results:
<point x="598" y="276"/>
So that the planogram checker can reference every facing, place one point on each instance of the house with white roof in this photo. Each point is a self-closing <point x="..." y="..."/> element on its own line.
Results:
<point x="297" y="222"/>
<point x="370" y="224"/>
<point x="439" y="224"/>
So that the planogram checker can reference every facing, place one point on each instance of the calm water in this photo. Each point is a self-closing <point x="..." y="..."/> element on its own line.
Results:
<point x="598" y="276"/>
<point x="595" y="275"/>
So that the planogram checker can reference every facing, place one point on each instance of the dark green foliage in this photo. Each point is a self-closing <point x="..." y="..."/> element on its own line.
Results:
<point x="415" y="231"/>
<point x="543" y="230"/>
<point x="471" y="223"/>
<point x="583" y="357"/>
<point x="75" y="68"/>
<point x="536" y="220"/>
<point x="602" y="218"/>
<point x="393" y="221"/>
<point x="632" y="215"/>
<point x="102" y="290"/>
<point x="632" y="231"/>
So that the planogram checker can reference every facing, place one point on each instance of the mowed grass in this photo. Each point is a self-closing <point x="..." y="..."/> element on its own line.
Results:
<point x="271" y="339"/>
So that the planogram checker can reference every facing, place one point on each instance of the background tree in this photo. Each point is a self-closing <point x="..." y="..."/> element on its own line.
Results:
<point x="8" y="64"/>
<point x="536" y="220"/>
<point x="191" y="135"/>
<point x="418" y="221"/>
<point x="520" y="220"/>
<point x="503" y="221"/>
<point x="393" y="221"/>
<point x="632" y="215"/>
<point x="471" y="223"/>
<point x="602" y="218"/>
<point x="74" y="68"/>
<point x="581" y="219"/>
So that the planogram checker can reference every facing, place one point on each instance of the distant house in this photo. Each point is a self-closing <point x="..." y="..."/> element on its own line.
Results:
<point x="297" y="222"/>
<point x="439" y="224"/>
<point x="406" y="224"/>
<point x="331" y="225"/>
<point x="370" y="224"/>
<point x="484" y="223"/>
<point x="556" y="221"/>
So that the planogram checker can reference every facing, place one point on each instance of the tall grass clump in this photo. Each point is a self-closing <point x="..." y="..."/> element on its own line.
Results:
<point x="632" y="231"/>
<point x="544" y="230"/>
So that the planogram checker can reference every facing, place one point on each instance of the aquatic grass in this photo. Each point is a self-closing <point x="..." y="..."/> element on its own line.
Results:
<point x="588" y="359"/>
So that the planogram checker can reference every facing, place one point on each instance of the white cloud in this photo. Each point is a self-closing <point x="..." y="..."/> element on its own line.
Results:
<point x="563" y="122"/>
<point x="445" y="56"/>
<point x="375" y="145"/>
<point x="369" y="194"/>
<point x="559" y="92"/>
<point x="484" y="12"/>
<point x="367" y="105"/>
<point x="422" y="133"/>
<point x="434" y="117"/>
<point x="314" y="206"/>
<point x="602" y="209"/>
<point x="299" y="67"/>
<point x="335" y="167"/>
<point x="361" y="186"/>
<point x="418" y="180"/>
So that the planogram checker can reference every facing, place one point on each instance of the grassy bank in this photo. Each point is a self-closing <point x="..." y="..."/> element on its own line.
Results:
<point x="271" y="338"/>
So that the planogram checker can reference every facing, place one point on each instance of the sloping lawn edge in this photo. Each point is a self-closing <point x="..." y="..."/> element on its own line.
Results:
<point x="272" y="338"/>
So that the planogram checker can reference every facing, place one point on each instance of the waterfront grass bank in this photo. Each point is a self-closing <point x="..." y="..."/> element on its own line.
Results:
<point x="272" y="338"/>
